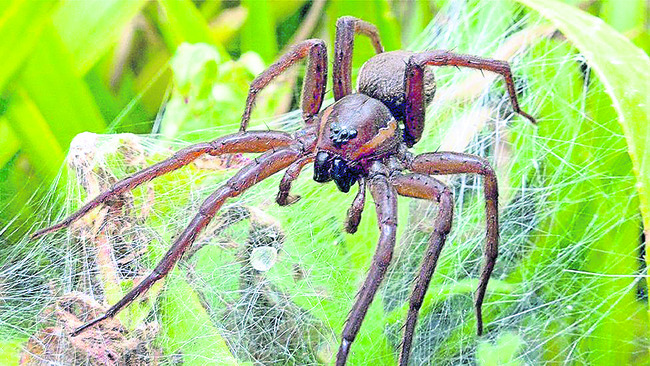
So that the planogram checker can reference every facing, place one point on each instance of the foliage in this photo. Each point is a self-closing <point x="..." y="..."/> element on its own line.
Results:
<point x="569" y="286"/>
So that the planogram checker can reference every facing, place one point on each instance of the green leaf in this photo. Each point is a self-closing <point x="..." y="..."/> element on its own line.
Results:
<point x="15" y="18"/>
<point x="283" y="9"/>
<point x="258" y="33"/>
<point x="624" y="15"/>
<point x="58" y="92"/>
<point x="624" y="70"/>
<point x="184" y="23"/>
<point x="37" y="139"/>
<point x="10" y="351"/>
<point x="601" y="201"/>
<point x="9" y="142"/>
<point x="89" y="28"/>
<point x="193" y="334"/>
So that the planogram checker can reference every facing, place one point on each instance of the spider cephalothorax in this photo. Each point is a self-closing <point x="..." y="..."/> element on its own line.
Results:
<point x="353" y="131"/>
<point x="360" y="138"/>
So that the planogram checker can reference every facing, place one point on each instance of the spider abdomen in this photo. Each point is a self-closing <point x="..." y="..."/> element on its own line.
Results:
<point x="382" y="78"/>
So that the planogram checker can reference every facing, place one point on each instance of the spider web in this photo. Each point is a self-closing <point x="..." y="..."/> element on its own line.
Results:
<point x="273" y="285"/>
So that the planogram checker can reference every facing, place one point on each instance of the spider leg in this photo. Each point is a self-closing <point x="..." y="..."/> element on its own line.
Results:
<point x="265" y="166"/>
<point x="313" y="88"/>
<point x="386" y="205"/>
<point x="428" y="188"/>
<point x="249" y="142"/>
<point x="346" y="27"/>
<point x="459" y="163"/>
<point x="354" y="212"/>
<point x="414" y="85"/>
<point x="293" y="171"/>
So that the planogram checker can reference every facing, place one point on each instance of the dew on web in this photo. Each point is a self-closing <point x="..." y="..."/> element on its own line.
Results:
<point x="263" y="258"/>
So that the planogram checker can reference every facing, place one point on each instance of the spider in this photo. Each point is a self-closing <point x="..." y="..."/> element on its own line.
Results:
<point x="362" y="138"/>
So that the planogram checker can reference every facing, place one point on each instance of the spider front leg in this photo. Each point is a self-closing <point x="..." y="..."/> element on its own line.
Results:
<point x="265" y="166"/>
<point x="459" y="163"/>
<point x="414" y="85"/>
<point x="346" y="27"/>
<point x="249" y="142"/>
<point x="428" y="188"/>
<point x="385" y="198"/>
<point x="313" y="88"/>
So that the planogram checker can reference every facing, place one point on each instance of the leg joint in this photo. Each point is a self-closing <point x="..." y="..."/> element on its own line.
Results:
<point x="340" y="22"/>
<point x="485" y="168"/>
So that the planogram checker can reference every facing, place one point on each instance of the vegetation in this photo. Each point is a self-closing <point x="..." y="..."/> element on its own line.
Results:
<point x="570" y="286"/>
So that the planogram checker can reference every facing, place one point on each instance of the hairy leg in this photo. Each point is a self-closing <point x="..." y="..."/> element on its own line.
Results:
<point x="428" y="188"/>
<point x="386" y="205"/>
<point x="346" y="27"/>
<point x="266" y="165"/>
<point x="414" y="85"/>
<point x="248" y="142"/>
<point x="354" y="212"/>
<point x="459" y="163"/>
<point x="313" y="89"/>
<point x="284" y="198"/>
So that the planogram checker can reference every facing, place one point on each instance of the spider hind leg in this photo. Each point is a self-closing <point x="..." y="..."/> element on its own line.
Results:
<point x="385" y="198"/>
<point x="459" y="163"/>
<point x="415" y="105"/>
<point x="424" y="187"/>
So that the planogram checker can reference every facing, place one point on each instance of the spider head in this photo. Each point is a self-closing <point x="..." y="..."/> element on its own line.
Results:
<point x="352" y="131"/>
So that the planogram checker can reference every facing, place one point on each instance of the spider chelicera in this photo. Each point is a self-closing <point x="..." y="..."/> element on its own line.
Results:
<point x="363" y="137"/>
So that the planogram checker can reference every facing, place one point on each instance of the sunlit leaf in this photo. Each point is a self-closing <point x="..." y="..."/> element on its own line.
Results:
<point x="258" y="34"/>
<point x="624" y="70"/>
<point x="89" y="28"/>
<point x="37" y="140"/>
<point x="9" y="142"/>
<point x="15" y="18"/>
<point x="62" y="97"/>
<point x="184" y="23"/>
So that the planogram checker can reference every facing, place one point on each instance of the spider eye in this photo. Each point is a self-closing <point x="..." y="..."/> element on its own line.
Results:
<point x="340" y="136"/>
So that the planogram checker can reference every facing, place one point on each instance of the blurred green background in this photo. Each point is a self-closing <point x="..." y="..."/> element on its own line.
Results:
<point x="112" y="66"/>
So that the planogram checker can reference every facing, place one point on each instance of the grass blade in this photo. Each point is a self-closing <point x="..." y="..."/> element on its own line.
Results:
<point x="16" y="42"/>
<point x="9" y="142"/>
<point x="185" y="23"/>
<point x="61" y="96"/>
<point x="35" y="135"/>
<point x="89" y="28"/>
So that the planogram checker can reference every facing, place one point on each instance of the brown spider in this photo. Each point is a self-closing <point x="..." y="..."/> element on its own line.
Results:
<point x="358" y="138"/>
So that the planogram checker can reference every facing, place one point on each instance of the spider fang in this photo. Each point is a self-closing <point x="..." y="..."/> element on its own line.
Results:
<point x="327" y="168"/>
